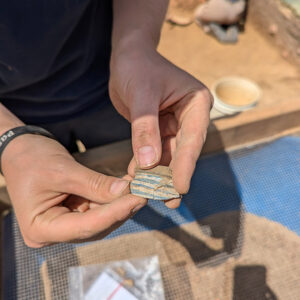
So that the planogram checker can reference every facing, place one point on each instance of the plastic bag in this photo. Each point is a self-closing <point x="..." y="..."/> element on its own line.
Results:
<point x="125" y="280"/>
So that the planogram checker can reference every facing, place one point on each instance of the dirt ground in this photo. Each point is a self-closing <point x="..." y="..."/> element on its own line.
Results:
<point x="253" y="57"/>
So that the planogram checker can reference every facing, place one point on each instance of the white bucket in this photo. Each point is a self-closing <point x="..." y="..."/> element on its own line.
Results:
<point x="233" y="95"/>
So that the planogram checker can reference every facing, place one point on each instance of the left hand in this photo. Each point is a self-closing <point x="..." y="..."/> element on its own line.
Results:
<point x="168" y="109"/>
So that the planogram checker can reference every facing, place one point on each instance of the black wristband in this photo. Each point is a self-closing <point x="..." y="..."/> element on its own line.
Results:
<point x="9" y="135"/>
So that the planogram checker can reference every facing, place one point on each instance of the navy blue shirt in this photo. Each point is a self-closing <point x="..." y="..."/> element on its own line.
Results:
<point x="54" y="57"/>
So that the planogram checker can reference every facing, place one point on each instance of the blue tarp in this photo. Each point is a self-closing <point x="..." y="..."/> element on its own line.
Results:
<point x="263" y="180"/>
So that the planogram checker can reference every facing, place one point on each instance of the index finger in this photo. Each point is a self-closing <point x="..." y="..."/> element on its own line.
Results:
<point x="193" y="116"/>
<point x="58" y="224"/>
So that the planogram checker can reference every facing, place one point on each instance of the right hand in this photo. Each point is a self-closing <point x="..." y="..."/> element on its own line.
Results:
<point x="45" y="183"/>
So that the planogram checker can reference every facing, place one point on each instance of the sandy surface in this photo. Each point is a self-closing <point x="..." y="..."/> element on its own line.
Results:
<point x="263" y="263"/>
<point x="253" y="57"/>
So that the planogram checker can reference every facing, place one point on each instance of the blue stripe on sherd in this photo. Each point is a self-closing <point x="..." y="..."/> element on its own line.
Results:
<point x="151" y="189"/>
<point x="152" y="182"/>
<point x="147" y="195"/>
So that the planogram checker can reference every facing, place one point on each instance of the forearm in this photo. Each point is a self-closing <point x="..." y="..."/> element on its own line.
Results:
<point x="8" y="120"/>
<point x="137" y="20"/>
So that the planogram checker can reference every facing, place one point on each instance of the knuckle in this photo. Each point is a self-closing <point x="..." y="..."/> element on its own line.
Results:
<point x="207" y="95"/>
<point x="97" y="183"/>
<point x="31" y="241"/>
<point x="33" y="237"/>
<point x="143" y="130"/>
<point x="203" y="94"/>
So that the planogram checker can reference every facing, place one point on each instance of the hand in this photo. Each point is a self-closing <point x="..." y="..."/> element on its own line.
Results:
<point x="168" y="110"/>
<point x="56" y="199"/>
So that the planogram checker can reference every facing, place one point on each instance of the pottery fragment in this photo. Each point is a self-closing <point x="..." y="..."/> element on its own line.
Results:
<point x="155" y="184"/>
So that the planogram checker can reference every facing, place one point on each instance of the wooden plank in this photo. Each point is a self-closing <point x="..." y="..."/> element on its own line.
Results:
<point x="253" y="126"/>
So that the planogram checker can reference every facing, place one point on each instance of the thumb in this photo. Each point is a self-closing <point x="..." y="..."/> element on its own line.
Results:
<point x="146" y="140"/>
<point x="92" y="185"/>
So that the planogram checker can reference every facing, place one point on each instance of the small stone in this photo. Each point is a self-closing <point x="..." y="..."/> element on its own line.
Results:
<point x="273" y="29"/>
<point x="155" y="184"/>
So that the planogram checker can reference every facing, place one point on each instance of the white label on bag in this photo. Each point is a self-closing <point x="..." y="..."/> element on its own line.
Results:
<point x="106" y="288"/>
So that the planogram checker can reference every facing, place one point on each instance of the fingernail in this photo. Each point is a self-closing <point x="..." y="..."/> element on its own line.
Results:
<point x="118" y="186"/>
<point x="137" y="208"/>
<point x="146" y="156"/>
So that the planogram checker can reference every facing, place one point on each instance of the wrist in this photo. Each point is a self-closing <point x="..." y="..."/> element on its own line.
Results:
<point x="137" y="41"/>
<point x="17" y="142"/>
<point x="8" y="120"/>
<point x="9" y="125"/>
